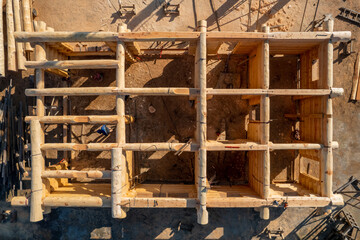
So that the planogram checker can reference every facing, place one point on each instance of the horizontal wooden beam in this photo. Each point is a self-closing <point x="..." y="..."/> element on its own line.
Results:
<point x="310" y="36"/>
<point x="312" y="115"/>
<point x="91" y="119"/>
<point x="161" y="202"/>
<point x="66" y="36"/>
<point x="81" y="91"/>
<point x="74" y="64"/>
<point x="95" y="174"/>
<point x="178" y="36"/>
<point x="231" y="146"/>
<point x="157" y="91"/>
<point x="91" y="54"/>
<point x="90" y="91"/>
<point x="128" y="146"/>
<point x="295" y="146"/>
<point x="210" y="146"/>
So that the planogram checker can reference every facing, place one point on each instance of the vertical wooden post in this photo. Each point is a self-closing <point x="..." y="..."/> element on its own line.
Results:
<point x="327" y="154"/>
<point x="36" y="170"/>
<point x="117" y="161"/>
<point x="27" y="22"/>
<point x="40" y="55"/>
<point x="19" y="45"/>
<point x="117" y="169"/>
<point x="37" y="137"/>
<point x="65" y="103"/>
<point x="202" y="213"/>
<point x="265" y="125"/>
<point x="11" y="50"/>
<point x="2" y="50"/>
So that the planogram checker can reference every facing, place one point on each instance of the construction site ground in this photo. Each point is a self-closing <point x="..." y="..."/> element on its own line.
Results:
<point x="175" y="119"/>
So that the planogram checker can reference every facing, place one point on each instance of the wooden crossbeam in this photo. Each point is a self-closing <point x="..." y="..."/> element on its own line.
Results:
<point x="210" y="146"/>
<point x="89" y="91"/>
<point x="177" y="36"/>
<point x="73" y="64"/>
<point x="95" y="174"/>
<point x="91" y="119"/>
<point x="161" y="202"/>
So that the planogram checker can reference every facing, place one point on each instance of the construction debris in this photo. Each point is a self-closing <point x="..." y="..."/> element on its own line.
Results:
<point x="127" y="10"/>
<point x="350" y="15"/>
<point x="171" y="9"/>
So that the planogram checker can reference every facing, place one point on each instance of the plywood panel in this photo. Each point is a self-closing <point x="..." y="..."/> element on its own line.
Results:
<point x="256" y="66"/>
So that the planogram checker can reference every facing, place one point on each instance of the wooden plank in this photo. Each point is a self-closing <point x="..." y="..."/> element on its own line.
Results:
<point x="309" y="182"/>
<point x="60" y="47"/>
<point x="254" y="100"/>
<point x="355" y="93"/>
<point x="213" y="47"/>
<point x="58" y="72"/>
<point x="311" y="115"/>
<point x="133" y="48"/>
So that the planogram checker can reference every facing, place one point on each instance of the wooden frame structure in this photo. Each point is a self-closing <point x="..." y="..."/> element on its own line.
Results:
<point x="313" y="95"/>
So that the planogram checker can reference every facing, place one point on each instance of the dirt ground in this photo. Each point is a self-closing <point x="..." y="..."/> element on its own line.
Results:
<point x="175" y="119"/>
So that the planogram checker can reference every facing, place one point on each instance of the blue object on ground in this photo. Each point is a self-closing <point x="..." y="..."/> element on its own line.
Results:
<point x="104" y="130"/>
